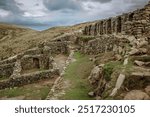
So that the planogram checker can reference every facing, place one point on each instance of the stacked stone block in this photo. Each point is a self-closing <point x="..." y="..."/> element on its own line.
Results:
<point x="135" y="23"/>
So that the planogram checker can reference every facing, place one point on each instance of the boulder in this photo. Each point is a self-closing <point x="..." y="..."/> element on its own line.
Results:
<point x="133" y="51"/>
<point x="91" y="94"/>
<point x="118" y="57"/>
<point x="139" y="51"/>
<point x="142" y="43"/>
<point x="94" y="76"/>
<point x="143" y="50"/>
<point x="139" y="63"/>
<point x="147" y="90"/>
<point x="98" y="98"/>
<point x="136" y="95"/>
<point x="132" y="40"/>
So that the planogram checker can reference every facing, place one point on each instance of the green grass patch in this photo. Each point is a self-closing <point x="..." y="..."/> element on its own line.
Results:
<point x="112" y="66"/>
<point x="29" y="93"/>
<point x="77" y="74"/>
<point x="109" y="68"/>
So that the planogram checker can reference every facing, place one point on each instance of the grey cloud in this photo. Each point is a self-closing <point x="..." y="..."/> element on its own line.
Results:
<point x="36" y="4"/>
<point x="137" y="4"/>
<point x="66" y="12"/>
<point x="16" y="14"/>
<point x="10" y="5"/>
<point x="62" y="4"/>
<point x="101" y="1"/>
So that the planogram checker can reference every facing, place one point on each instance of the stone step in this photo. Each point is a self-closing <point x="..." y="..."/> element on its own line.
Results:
<point x="138" y="51"/>
<point x="140" y="74"/>
<point x="144" y="58"/>
<point x="141" y="63"/>
<point x="138" y="79"/>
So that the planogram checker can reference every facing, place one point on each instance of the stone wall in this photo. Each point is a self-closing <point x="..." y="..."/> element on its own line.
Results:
<point x="65" y="37"/>
<point x="28" y="79"/>
<point x="6" y="70"/>
<point x="29" y="62"/>
<point x="103" y="44"/>
<point x="32" y="65"/>
<point x="9" y="60"/>
<point x="136" y="23"/>
<point x="58" y="47"/>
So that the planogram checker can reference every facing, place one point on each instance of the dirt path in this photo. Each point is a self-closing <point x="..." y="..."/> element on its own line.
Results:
<point x="60" y="61"/>
<point x="75" y="84"/>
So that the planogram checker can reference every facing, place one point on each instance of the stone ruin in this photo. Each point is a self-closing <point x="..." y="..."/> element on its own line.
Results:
<point x="116" y="32"/>
<point x="128" y="37"/>
<point x="135" y="23"/>
<point x="32" y="65"/>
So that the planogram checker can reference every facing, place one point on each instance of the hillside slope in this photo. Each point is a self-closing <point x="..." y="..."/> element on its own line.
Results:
<point x="15" y="39"/>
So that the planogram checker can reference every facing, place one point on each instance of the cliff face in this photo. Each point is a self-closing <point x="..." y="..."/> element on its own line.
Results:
<point x="135" y="23"/>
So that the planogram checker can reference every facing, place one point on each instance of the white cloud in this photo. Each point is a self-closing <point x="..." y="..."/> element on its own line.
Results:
<point x="34" y="14"/>
<point x="34" y="8"/>
<point x="4" y="13"/>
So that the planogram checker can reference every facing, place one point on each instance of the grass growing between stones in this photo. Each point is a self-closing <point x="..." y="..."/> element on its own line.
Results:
<point x="77" y="74"/>
<point x="31" y="92"/>
<point x="112" y="70"/>
<point x="109" y="68"/>
<point x="112" y="66"/>
<point x="3" y="78"/>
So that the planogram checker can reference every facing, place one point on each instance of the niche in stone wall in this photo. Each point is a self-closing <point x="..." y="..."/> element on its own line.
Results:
<point x="98" y="28"/>
<point x="90" y="29"/>
<point x="95" y="29"/>
<point x="85" y="30"/>
<point x="101" y="28"/>
<point x="131" y="16"/>
<point x="119" y="25"/>
<point x="58" y="40"/>
<point x="36" y="63"/>
<point x="113" y="26"/>
<point x="109" y="26"/>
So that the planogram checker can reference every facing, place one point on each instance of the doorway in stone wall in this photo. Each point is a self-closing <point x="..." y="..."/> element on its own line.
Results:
<point x="36" y="63"/>
<point x="131" y="17"/>
<point x="109" y="26"/>
<point x="101" y="28"/>
<point x="119" y="26"/>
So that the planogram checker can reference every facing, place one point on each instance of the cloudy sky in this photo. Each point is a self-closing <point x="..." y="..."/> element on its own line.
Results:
<point x="42" y="14"/>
